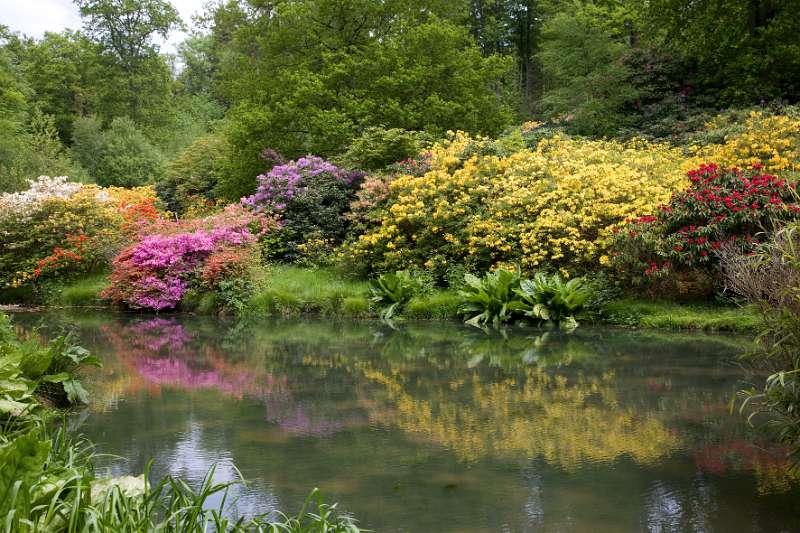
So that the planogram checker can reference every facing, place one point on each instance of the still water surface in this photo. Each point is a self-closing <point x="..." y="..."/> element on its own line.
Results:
<point x="439" y="427"/>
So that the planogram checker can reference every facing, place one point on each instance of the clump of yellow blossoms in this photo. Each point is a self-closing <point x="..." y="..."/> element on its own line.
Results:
<point x="555" y="205"/>
<point x="771" y="140"/>
<point x="488" y="203"/>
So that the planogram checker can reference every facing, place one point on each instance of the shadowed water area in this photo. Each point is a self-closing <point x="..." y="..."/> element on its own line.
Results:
<point x="439" y="427"/>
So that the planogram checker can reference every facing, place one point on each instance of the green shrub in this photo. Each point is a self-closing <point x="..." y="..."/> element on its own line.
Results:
<point x="120" y="155"/>
<point x="376" y="148"/>
<point x="193" y="175"/>
<point x="34" y="151"/>
<point x="392" y="290"/>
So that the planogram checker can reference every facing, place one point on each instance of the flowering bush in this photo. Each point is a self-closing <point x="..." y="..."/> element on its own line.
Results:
<point x="155" y="272"/>
<point x="56" y="228"/>
<point x="720" y="207"/>
<point x="556" y="205"/>
<point x="311" y="196"/>
<point x="771" y="140"/>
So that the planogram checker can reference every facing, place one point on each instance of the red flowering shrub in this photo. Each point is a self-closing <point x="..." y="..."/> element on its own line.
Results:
<point x="680" y="241"/>
<point x="69" y="258"/>
<point x="226" y="264"/>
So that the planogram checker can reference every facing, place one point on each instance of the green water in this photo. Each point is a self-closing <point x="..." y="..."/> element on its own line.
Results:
<point x="438" y="427"/>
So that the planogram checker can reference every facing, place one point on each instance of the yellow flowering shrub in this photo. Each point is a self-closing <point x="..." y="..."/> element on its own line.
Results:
<point x="556" y="205"/>
<point x="771" y="140"/>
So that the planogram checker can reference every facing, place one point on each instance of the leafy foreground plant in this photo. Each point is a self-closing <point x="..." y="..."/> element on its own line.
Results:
<point x="48" y="483"/>
<point x="502" y="296"/>
<point x="550" y="298"/>
<point x="492" y="298"/>
<point x="392" y="290"/>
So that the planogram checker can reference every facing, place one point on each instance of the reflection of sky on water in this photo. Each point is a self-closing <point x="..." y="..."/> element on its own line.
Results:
<point x="438" y="428"/>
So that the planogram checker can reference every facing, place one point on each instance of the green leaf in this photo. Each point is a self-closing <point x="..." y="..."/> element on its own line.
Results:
<point x="56" y="378"/>
<point x="22" y="462"/>
<point x="13" y="408"/>
<point x="76" y="394"/>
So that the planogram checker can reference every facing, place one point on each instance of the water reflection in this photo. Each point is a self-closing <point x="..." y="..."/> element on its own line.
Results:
<point x="442" y="428"/>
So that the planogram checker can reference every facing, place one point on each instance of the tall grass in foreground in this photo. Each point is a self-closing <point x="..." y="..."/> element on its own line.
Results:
<point x="770" y="280"/>
<point x="48" y="482"/>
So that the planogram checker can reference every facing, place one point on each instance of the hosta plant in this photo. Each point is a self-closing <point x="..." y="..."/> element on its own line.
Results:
<point x="492" y="299"/>
<point x="552" y="299"/>
<point x="392" y="290"/>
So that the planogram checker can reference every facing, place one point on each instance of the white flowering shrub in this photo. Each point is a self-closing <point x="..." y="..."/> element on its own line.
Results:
<point x="41" y="189"/>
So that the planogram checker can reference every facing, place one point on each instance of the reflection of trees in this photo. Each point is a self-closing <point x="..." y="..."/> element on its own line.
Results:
<point x="567" y="423"/>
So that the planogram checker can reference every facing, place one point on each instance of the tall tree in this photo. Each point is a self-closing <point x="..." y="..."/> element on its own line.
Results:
<point x="745" y="50"/>
<point x="62" y="69"/>
<point x="586" y="78"/>
<point x="511" y="27"/>
<point x="309" y="76"/>
<point x="125" y="29"/>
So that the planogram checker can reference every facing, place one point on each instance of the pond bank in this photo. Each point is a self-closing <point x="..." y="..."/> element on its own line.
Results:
<point x="297" y="291"/>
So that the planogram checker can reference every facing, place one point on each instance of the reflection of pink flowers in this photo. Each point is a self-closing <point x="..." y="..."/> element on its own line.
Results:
<point x="294" y="419"/>
<point x="176" y="372"/>
<point x="158" y="333"/>
<point x="164" y="354"/>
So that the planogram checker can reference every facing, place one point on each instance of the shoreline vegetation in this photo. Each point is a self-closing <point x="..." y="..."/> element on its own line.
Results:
<point x="286" y="290"/>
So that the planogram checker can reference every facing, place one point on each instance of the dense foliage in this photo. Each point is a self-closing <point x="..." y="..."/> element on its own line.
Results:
<point x="482" y="204"/>
<point x="504" y="295"/>
<point x="681" y="240"/>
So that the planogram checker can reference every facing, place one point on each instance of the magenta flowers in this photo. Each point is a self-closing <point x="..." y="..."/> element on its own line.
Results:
<point x="156" y="272"/>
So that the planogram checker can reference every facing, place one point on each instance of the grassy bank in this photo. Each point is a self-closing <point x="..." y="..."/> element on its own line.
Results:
<point x="287" y="290"/>
<point x="680" y="316"/>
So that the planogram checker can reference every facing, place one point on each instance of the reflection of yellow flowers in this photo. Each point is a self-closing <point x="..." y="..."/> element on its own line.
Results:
<point x="544" y="415"/>
<point x="775" y="477"/>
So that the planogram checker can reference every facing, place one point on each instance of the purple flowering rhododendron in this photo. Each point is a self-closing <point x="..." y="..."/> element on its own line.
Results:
<point x="284" y="182"/>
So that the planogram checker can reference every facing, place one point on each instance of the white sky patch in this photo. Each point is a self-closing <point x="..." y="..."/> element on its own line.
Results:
<point x="35" y="17"/>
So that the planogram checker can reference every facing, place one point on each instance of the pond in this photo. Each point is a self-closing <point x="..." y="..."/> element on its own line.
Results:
<point x="439" y="427"/>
